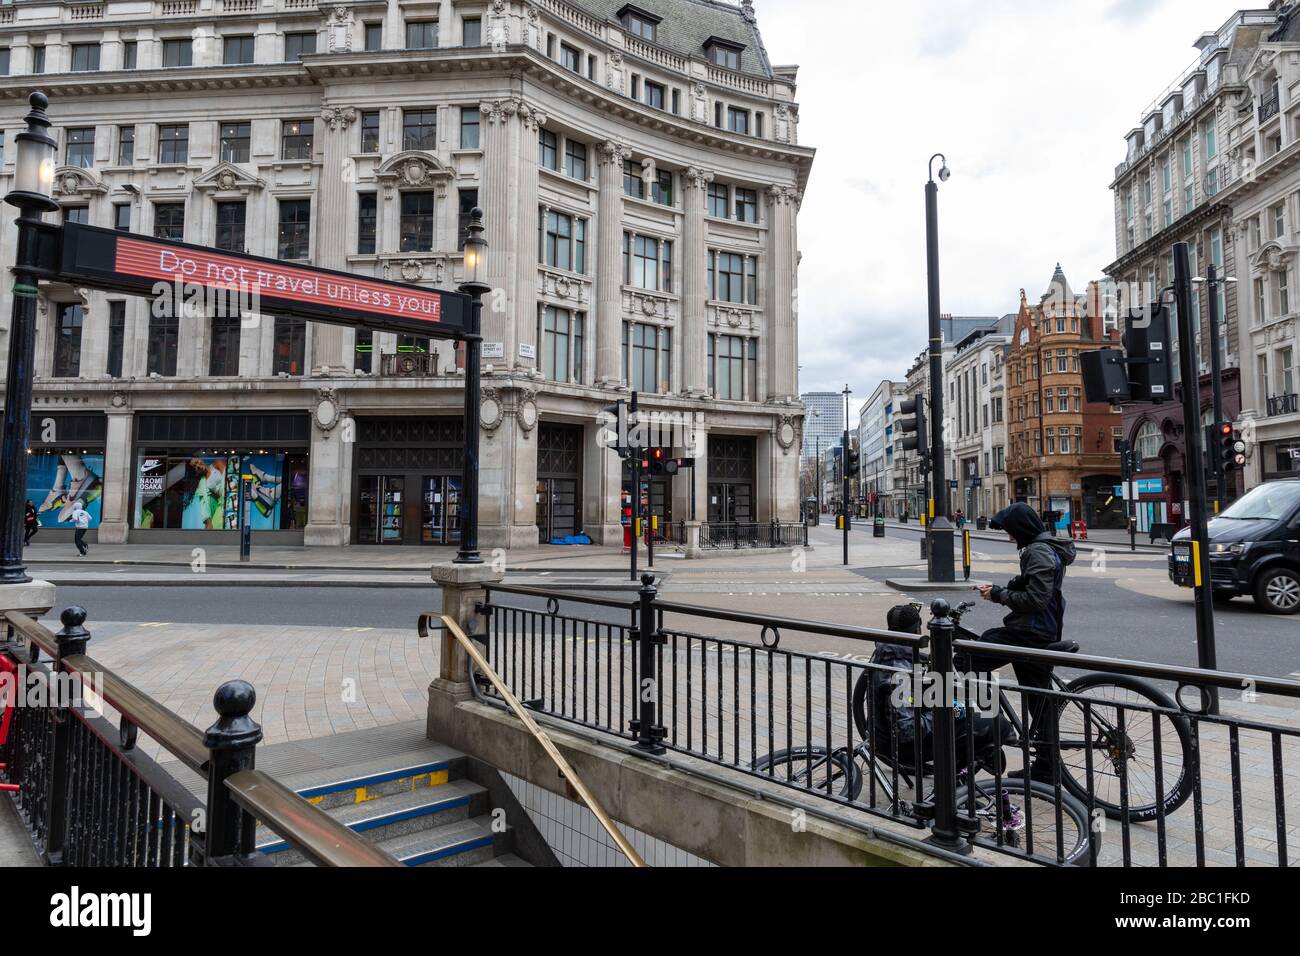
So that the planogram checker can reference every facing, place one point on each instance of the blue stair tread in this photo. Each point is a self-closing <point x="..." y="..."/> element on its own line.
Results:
<point x="390" y="809"/>
<point x="441" y="842"/>
<point x="313" y="783"/>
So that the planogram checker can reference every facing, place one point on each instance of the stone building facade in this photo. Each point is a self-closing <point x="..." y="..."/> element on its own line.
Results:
<point x="640" y="175"/>
<point x="977" y="432"/>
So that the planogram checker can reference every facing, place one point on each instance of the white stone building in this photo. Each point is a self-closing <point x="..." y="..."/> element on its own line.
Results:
<point x="640" y="174"/>
<point x="976" y="413"/>
<point x="876" y="443"/>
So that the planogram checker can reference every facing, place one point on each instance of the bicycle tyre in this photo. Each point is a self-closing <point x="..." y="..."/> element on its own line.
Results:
<point x="788" y="766"/>
<point x="1074" y="778"/>
<point x="1075" y="823"/>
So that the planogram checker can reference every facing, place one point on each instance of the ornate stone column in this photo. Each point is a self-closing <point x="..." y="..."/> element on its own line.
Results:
<point x="525" y="273"/>
<point x="329" y="485"/>
<point x="694" y="258"/>
<point x="119" y="472"/>
<point x="328" y="352"/>
<point x="782" y="272"/>
<point x="496" y="192"/>
<point x="609" y="263"/>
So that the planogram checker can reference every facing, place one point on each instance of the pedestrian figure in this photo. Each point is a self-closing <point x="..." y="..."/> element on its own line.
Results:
<point x="31" y="523"/>
<point x="81" y="519"/>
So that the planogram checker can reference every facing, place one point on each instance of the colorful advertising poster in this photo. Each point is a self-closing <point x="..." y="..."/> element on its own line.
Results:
<point x="195" y="492"/>
<point x="56" y="482"/>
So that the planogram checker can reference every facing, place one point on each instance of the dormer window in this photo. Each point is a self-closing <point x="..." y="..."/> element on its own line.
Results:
<point x="639" y="23"/>
<point x="723" y="53"/>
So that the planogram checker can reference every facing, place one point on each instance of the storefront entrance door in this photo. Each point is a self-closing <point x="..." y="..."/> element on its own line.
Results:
<point x="730" y="503"/>
<point x="557" y="508"/>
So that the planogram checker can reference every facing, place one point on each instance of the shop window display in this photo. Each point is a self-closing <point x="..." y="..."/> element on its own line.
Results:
<point x="56" y="481"/>
<point x="201" y="491"/>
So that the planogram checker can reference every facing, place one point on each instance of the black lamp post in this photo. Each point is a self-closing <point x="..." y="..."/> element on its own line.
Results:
<point x="939" y="529"/>
<point x="33" y="179"/>
<point x="844" y="476"/>
<point x="475" y="252"/>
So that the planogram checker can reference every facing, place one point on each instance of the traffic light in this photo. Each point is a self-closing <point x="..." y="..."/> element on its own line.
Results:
<point x="855" y="463"/>
<point x="661" y="462"/>
<point x="626" y="418"/>
<point x="1148" y="354"/>
<point x="914" y="429"/>
<point x="1105" y="377"/>
<point x="1233" y="449"/>
<point x="1125" y="460"/>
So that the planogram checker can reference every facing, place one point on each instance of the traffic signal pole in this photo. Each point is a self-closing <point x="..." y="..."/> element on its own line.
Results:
<point x="1216" y="376"/>
<point x="939" y="530"/>
<point x="1188" y="358"/>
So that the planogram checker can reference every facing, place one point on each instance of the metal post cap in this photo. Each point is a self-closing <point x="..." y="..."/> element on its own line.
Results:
<point x="940" y="608"/>
<point x="73" y="618"/>
<point x="234" y="728"/>
<point x="647" y="579"/>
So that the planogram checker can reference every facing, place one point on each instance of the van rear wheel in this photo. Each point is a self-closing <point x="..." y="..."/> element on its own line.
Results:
<point x="1277" y="591"/>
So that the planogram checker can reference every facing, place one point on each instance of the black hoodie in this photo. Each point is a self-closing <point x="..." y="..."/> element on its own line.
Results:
<point x="1034" y="597"/>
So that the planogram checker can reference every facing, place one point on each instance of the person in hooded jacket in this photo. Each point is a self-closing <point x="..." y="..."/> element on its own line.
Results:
<point x="1036" y="613"/>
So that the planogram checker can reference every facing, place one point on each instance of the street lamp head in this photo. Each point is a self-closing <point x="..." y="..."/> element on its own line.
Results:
<point x="34" y="164"/>
<point x="475" y="246"/>
<point x="944" y="172"/>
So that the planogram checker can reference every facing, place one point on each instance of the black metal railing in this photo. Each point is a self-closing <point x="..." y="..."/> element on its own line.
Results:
<point x="758" y="534"/>
<point x="91" y="797"/>
<point x="1283" y="404"/>
<point x="408" y="364"/>
<point x="1269" y="104"/>
<point x="1137" y="780"/>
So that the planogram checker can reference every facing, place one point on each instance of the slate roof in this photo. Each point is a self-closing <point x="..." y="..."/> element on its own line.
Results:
<point x="685" y="24"/>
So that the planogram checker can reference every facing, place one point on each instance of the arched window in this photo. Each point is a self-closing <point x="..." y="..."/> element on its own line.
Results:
<point x="1147" y="442"/>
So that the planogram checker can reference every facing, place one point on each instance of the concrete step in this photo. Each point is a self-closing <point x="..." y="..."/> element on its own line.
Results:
<point x="464" y="843"/>
<point x="399" y="814"/>
<point x="372" y="779"/>
<point x="506" y="859"/>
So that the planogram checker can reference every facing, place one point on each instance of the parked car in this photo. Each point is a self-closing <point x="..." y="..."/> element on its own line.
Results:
<point x="1254" y="549"/>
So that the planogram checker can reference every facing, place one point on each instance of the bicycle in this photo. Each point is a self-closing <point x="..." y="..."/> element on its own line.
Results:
<point x="1002" y="809"/>
<point x="1109" y="755"/>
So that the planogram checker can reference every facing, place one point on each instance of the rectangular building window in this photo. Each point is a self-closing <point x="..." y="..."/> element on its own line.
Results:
<point x="747" y="205"/>
<point x="223" y="348"/>
<point x="374" y="39"/>
<point x="296" y="139"/>
<point x="38" y="58"/>
<point x="633" y="184"/>
<point x="116" y="337"/>
<point x="420" y="129"/>
<point x="122" y="217"/>
<point x="178" y="53"/>
<point x="732" y="365"/>
<point x="370" y="131"/>
<point x="80" y="149"/>
<point x="173" y="144"/>
<point x="719" y="200"/>
<point x="298" y="45"/>
<point x="570" y="58"/>
<point x="294" y="240"/>
<point x="564" y="242"/>
<point x="125" y="145"/>
<point x="575" y="159"/>
<point x="163" y="337"/>
<point x="661" y="190"/>
<point x="422" y="34"/>
<point x="290" y="346"/>
<point x="560" y="338"/>
<point x="737" y="120"/>
<point x="468" y="200"/>
<point x="4" y="62"/>
<point x="363" y="351"/>
<point x="85" y="57"/>
<point x="129" y="52"/>
<point x="416" y="229"/>
<point x="236" y="142"/>
<point x="647" y="262"/>
<point x="367" y="216"/>
<point x="469" y="127"/>
<point x="471" y="31"/>
<point x="231" y="217"/>
<point x="647" y="357"/>
<point x="67" y="341"/>
<point x="654" y="95"/>
<point x="236" y="50"/>
<point x="548" y="149"/>
<point x="169" y="220"/>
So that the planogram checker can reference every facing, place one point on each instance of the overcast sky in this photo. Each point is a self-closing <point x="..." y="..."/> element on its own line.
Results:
<point x="1029" y="99"/>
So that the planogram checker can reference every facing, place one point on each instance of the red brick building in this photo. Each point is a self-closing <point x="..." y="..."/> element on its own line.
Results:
<point x="1060" y="448"/>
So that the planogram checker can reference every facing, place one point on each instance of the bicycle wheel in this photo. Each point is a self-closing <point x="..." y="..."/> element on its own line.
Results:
<point x="809" y="769"/>
<point x="1134" y="749"/>
<point x="1026" y="820"/>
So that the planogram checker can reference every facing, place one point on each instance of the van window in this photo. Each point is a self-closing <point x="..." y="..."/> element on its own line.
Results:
<point x="1272" y="501"/>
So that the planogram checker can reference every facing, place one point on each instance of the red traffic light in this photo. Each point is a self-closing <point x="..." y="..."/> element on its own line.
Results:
<point x="1225" y="429"/>
<point x="658" y="453"/>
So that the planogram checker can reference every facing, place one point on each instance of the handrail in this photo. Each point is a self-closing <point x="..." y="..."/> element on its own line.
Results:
<point x="317" y="835"/>
<point x="527" y="591"/>
<point x="542" y="738"/>
<point x="175" y="734"/>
